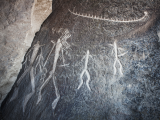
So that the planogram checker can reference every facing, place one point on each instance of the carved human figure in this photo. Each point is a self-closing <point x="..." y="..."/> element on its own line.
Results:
<point x="91" y="67"/>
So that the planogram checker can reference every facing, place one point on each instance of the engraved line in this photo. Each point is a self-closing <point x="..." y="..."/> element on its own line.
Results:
<point x="86" y="62"/>
<point x="54" y="103"/>
<point x="122" y="54"/>
<point x="27" y="98"/>
<point x="34" y="54"/>
<point x="117" y="60"/>
<point x="111" y="20"/>
<point x="87" y="81"/>
<point x="15" y="94"/>
<point x="39" y="57"/>
<point x="81" y="80"/>
<point x="58" y="47"/>
<point x="65" y="36"/>
<point x="115" y="50"/>
<point x="85" y="71"/>
<point x="49" y="53"/>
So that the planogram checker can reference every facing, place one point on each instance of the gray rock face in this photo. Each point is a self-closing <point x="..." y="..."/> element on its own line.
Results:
<point x="15" y="21"/>
<point x="83" y="67"/>
<point x="19" y="21"/>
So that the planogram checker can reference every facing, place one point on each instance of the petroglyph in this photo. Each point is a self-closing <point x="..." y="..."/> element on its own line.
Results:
<point x="43" y="74"/>
<point x="25" y="63"/>
<point x="39" y="62"/>
<point x="44" y="65"/>
<point x="54" y="103"/>
<point x="33" y="57"/>
<point x="117" y="60"/>
<point x="27" y="98"/>
<point x="64" y="37"/>
<point x="63" y="65"/>
<point x="122" y="54"/>
<point x="85" y="71"/>
<point x="59" y="45"/>
<point x="110" y="20"/>
<point x="49" y="52"/>
<point x="15" y="94"/>
<point x="34" y="54"/>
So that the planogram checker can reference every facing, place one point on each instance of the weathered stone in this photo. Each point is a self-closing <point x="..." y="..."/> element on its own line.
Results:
<point x="76" y="69"/>
<point x="20" y="19"/>
<point x="15" y="22"/>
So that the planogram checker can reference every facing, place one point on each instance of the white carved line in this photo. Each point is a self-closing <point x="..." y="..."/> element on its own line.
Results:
<point x="85" y="71"/>
<point x="44" y="74"/>
<point x="64" y="37"/>
<point x="63" y="57"/>
<point x="54" y="103"/>
<point x="40" y="58"/>
<point x="81" y="80"/>
<point x="58" y="47"/>
<point x="117" y="60"/>
<point x="35" y="51"/>
<point x="65" y="46"/>
<point x="87" y="81"/>
<point x="64" y="65"/>
<point x="27" y="98"/>
<point x="15" y="94"/>
<point x="50" y="52"/>
<point x="122" y="54"/>
<point x="110" y="20"/>
<point x="25" y="63"/>
<point x="44" y="68"/>
<point x="44" y="84"/>
<point x="34" y="54"/>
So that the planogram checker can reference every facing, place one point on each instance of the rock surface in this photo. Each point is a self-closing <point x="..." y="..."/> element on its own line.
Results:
<point x="81" y="68"/>
<point x="17" y="29"/>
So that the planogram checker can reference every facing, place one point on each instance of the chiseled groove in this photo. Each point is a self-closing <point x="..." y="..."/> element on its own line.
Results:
<point x="54" y="103"/>
<point x="27" y="98"/>
<point x="33" y="57"/>
<point x="117" y="60"/>
<point x="85" y="71"/>
<point x="64" y="37"/>
<point x="110" y="20"/>
<point x="34" y="54"/>
<point x="49" y="52"/>
<point x="58" y="47"/>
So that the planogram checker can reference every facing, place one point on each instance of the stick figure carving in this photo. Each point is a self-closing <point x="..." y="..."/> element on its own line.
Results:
<point x="117" y="59"/>
<point x="85" y="71"/>
<point x="33" y="57"/>
<point x="60" y="43"/>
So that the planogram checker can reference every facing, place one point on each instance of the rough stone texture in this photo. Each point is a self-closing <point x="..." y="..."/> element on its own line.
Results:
<point x="40" y="11"/>
<point x="15" y="26"/>
<point x="15" y="22"/>
<point x="85" y="69"/>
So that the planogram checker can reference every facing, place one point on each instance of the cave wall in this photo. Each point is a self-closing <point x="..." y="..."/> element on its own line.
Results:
<point x="91" y="60"/>
<point x="19" y="21"/>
